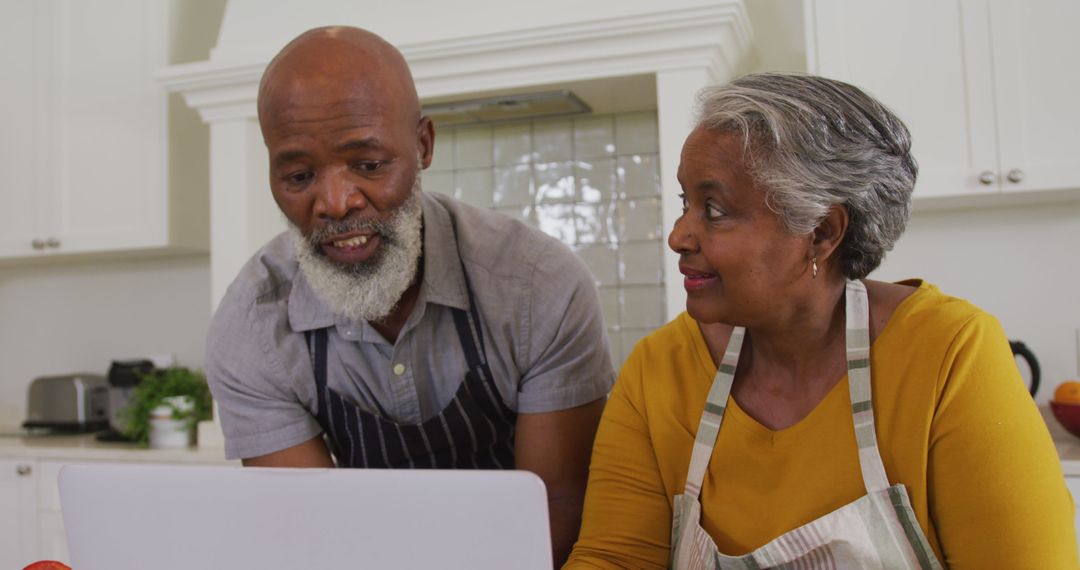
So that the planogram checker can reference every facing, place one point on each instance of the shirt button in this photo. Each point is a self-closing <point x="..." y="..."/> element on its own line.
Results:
<point x="399" y="369"/>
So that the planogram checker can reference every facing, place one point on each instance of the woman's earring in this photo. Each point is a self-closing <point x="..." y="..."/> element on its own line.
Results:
<point x="813" y="275"/>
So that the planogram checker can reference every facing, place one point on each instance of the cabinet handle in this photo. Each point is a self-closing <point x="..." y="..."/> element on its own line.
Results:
<point x="22" y="470"/>
<point x="1015" y="175"/>
<point x="38" y="244"/>
<point x="52" y="242"/>
<point x="987" y="177"/>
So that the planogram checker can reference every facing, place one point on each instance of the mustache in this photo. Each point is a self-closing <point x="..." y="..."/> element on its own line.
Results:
<point x="321" y="234"/>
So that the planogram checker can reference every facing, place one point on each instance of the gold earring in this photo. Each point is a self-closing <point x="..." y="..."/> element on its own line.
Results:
<point x="813" y="260"/>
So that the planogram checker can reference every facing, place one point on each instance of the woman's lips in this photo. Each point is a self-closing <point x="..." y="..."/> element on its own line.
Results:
<point x="351" y="248"/>
<point x="694" y="280"/>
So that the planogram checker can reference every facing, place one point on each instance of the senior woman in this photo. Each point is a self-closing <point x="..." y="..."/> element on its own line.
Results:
<point x="798" y="414"/>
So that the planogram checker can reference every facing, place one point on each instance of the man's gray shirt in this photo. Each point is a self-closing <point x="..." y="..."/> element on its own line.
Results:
<point x="543" y="333"/>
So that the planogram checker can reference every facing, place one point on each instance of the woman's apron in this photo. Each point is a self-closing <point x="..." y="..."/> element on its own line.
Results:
<point x="474" y="431"/>
<point x="878" y="530"/>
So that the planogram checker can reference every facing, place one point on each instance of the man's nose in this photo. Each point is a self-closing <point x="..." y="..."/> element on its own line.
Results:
<point x="338" y="195"/>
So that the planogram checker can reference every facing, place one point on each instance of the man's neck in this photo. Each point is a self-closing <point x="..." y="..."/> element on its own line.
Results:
<point x="390" y="326"/>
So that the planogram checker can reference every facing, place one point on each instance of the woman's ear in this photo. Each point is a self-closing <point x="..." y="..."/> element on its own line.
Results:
<point x="830" y="232"/>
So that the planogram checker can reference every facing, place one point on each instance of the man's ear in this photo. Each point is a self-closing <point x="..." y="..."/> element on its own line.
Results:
<point x="425" y="139"/>
<point x="830" y="232"/>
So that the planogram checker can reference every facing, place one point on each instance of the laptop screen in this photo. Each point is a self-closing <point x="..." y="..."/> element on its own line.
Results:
<point x="155" y="517"/>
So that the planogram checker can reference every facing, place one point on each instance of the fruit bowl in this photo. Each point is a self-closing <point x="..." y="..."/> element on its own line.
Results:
<point x="1068" y="415"/>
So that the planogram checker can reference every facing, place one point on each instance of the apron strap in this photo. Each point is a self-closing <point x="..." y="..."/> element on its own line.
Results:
<point x="713" y="414"/>
<point x="862" y="407"/>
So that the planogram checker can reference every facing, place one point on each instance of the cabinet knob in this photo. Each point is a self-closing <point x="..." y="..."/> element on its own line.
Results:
<point x="987" y="177"/>
<point x="1015" y="175"/>
<point x="52" y="242"/>
<point x="22" y="470"/>
<point x="38" y="244"/>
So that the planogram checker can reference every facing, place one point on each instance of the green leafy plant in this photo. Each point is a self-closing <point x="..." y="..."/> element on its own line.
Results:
<point x="151" y="393"/>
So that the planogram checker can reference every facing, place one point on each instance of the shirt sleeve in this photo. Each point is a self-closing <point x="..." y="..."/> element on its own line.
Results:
<point x="626" y="521"/>
<point x="996" y="489"/>
<point x="568" y="363"/>
<point x="259" y="408"/>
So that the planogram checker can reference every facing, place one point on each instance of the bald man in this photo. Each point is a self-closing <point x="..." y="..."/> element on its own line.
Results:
<point x="389" y="327"/>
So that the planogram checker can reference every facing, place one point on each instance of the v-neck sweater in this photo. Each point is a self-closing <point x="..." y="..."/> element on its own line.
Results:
<point x="955" y="425"/>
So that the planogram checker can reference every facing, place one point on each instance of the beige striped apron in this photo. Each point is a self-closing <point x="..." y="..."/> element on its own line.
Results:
<point x="878" y="530"/>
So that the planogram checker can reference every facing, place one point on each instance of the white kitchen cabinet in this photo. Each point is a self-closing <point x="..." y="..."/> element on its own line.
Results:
<point x="1073" y="483"/>
<point x="86" y="161"/>
<point x="18" y="517"/>
<point x="986" y="86"/>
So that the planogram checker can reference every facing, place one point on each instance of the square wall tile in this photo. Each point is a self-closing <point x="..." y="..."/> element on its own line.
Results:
<point x="630" y="338"/>
<point x="513" y="185"/>
<point x="438" y="181"/>
<point x="552" y="141"/>
<point x="638" y="175"/>
<point x="557" y="221"/>
<point x="641" y="263"/>
<point x="512" y="143"/>
<point x="594" y="137"/>
<point x="603" y="262"/>
<point x="596" y="181"/>
<point x="638" y="220"/>
<point x="472" y="147"/>
<point x="609" y="306"/>
<point x="615" y="349"/>
<point x="474" y="187"/>
<point x="595" y="223"/>
<point x="442" y="156"/>
<point x="553" y="182"/>
<point x="636" y="133"/>
<point x="642" y="307"/>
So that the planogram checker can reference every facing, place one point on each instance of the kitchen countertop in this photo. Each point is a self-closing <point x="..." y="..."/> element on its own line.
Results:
<point x="85" y="447"/>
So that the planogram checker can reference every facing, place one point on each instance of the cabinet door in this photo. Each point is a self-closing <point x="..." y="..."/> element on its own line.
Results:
<point x="18" y="525"/>
<point x="1036" y="51"/>
<point x="912" y="56"/>
<point x="108" y="136"/>
<point x="25" y="70"/>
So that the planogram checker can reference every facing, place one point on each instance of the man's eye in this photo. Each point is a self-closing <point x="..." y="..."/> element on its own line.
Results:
<point x="299" y="177"/>
<point x="685" y="204"/>
<point x="713" y="212"/>
<point x="367" y="165"/>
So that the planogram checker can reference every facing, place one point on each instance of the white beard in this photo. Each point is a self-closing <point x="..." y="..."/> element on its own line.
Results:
<point x="370" y="290"/>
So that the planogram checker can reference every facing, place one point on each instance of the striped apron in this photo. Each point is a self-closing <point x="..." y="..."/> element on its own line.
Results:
<point x="878" y="530"/>
<point x="474" y="431"/>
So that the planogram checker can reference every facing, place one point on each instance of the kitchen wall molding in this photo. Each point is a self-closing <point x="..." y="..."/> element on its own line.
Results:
<point x="685" y="48"/>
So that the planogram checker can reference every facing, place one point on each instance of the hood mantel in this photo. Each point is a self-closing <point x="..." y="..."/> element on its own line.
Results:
<point x="685" y="45"/>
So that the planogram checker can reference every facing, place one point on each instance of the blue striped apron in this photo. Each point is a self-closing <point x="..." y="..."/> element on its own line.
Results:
<point x="474" y="431"/>
<point x="878" y="530"/>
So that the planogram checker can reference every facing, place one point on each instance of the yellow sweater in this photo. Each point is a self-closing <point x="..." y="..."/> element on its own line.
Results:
<point x="955" y="425"/>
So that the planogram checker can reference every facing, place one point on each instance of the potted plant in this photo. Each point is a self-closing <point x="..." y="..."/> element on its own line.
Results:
<point x="164" y="402"/>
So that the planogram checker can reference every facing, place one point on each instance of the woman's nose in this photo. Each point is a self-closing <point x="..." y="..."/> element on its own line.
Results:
<point x="338" y="196"/>
<point x="681" y="239"/>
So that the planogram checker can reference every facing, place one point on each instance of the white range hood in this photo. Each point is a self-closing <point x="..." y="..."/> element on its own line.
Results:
<point x="459" y="50"/>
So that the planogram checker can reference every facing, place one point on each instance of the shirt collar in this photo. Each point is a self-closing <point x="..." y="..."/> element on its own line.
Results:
<point x="444" y="278"/>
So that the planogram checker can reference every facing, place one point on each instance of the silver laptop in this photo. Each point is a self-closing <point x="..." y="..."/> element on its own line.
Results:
<point x="154" y="517"/>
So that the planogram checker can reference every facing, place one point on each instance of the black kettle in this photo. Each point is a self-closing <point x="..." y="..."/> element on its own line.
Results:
<point x="1021" y="349"/>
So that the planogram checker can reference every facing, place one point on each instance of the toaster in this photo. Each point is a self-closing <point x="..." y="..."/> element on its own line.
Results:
<point x="71" y="402"/>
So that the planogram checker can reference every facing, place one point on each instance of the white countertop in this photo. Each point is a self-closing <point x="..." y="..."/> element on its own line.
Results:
<point x="86" y="447"/>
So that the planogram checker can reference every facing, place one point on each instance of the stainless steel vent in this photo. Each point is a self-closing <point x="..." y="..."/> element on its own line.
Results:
<point x="506" y="108"/>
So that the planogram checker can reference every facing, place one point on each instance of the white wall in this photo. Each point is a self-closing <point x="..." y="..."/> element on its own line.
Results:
<point x="77" y="316"/>
<point x="58" y="317"/>
<point x="1022" y="264"/>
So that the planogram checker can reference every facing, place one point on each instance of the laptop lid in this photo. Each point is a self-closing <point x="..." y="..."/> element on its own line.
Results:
<point x="158" y="517"/>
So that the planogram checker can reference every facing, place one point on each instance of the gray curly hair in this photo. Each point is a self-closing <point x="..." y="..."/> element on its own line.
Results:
<point x="813" y="142"/>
